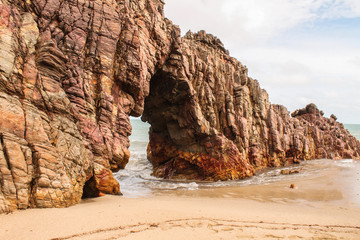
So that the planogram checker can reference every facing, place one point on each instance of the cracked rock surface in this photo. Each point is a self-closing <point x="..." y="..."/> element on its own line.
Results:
<point x="73" y="71"/>
<point x="211" y="121"/>
<point x="71" y="74"/>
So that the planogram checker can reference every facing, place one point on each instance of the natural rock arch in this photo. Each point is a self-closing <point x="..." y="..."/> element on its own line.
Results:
<point x="72" y="72"/>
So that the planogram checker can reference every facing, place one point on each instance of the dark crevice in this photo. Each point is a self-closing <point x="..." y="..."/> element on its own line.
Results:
<point x="32" y="192"/>
<point x="90" y="189"/>
<point x="35" y="176"/>
<point x="7" y="159"/>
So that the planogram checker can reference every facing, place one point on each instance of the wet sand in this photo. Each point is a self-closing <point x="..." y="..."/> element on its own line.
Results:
<point x="325" y="206"/>
<point x="332" y="186"/>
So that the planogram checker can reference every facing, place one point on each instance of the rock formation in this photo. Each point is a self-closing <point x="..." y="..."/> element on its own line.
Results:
<point x="210" y="121"/>
<point x="73" y="71"/>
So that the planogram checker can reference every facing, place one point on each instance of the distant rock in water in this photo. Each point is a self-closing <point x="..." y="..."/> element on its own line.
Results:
<point x="72" y="72"/>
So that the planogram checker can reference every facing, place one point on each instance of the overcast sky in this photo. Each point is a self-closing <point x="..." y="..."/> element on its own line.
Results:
<point x="301" y="51"/>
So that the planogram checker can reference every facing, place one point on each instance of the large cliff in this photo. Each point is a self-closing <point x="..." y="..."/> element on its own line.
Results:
<point x="210" y="121"/>
<point x="73" y="71"/>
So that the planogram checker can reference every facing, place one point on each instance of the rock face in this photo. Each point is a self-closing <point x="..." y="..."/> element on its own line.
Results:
<point x="73" y="71"/>
<point x="210" y="121"/>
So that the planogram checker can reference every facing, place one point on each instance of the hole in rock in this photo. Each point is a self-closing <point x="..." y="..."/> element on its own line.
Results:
<point x="167" y="101"/>
<point x="90" y="190"/>
<point x="136" y="176"/>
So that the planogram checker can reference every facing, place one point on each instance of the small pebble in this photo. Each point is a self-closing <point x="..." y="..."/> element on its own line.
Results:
<point x="292" y="186"/>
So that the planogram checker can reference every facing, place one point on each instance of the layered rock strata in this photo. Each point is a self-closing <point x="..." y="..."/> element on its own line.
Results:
<point x="210" y="121"/>
<point x="72" y="72"/>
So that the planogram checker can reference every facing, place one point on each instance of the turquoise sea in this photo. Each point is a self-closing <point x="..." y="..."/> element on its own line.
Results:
<point x="354" y="129"/>
<point x="136" y="180"/>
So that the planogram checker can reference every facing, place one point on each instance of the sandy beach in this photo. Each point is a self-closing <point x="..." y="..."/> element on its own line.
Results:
<point x="319" y="207"/>
<point x="183" y="218"/>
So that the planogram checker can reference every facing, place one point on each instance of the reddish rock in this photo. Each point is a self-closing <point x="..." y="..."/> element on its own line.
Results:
<point x="203" y="103"/>
<point x="72" y="72"/>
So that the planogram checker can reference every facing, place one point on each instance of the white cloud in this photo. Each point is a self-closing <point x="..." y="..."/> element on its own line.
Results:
<point x="331" y="94"/>
<point x="304" y="100"/>
<point x="266" y="18"/>
<point x="355" y="61"/>
<point x="258" y="19"/>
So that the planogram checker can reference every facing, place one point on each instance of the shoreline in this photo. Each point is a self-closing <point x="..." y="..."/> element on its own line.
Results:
<point x="331" y="186"/>
<point x="319" y="207"/>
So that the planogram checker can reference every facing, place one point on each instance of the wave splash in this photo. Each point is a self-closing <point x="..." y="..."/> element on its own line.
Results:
<point x="136" y="180"/>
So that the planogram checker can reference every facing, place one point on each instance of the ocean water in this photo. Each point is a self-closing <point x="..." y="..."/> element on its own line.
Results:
<point x="354" y="129"/>
<point x="136" y="180"/>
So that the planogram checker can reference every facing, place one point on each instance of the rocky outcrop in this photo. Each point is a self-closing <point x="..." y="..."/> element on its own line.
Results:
<point x="72" y="72"/>
<point x="210" y="121"/>
<point x="329" y="137"/>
